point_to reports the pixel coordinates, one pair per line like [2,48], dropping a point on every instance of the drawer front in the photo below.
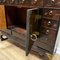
[11,1]
[31,3]
[28,3]
[48,37]
[44,46]
[52,3]
[49,23]
[36,3]
[52,14]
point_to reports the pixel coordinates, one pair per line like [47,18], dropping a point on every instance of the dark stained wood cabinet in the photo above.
[43,27]
[33,23]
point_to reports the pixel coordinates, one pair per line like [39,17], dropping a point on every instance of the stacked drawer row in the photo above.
[23,2]
[32,3]
[49,27]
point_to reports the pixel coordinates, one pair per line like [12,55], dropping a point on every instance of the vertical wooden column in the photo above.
[2,17]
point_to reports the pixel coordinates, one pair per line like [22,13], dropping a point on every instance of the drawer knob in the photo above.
[47,31]
[34,1]
[49,23]
[53,2]
[21,1]
[50,13]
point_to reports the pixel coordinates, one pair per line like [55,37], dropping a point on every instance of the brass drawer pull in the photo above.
[33,37]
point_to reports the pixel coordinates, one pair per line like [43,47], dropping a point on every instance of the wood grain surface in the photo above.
[2,17]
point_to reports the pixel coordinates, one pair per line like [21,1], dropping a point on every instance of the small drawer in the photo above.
[43,46]
[24,2]
[36,3]
[45,31]
[48,37]
[52,3]
[12,1]
[50,23]
[52,14]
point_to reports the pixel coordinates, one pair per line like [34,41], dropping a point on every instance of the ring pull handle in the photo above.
[33,37]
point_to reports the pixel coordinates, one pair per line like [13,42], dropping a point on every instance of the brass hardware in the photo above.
[34,1]
[50,13]
[12,1]
[33,37]
[47,31]
[21,1]
[49,23]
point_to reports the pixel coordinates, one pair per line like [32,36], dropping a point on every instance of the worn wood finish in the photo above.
[25,3]
[15,18]
[2,17]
